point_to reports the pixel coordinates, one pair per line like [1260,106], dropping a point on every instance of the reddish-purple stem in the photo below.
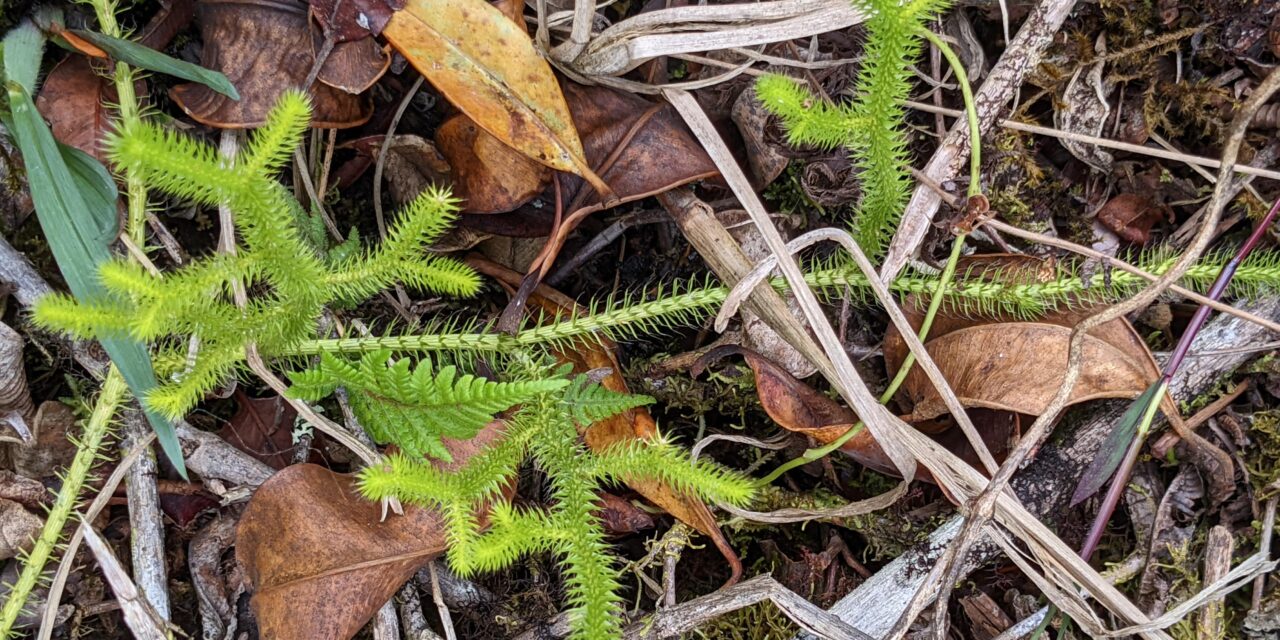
[1121,478]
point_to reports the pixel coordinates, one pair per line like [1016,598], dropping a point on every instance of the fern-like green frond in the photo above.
[546,428]
[590,402]
[414,407]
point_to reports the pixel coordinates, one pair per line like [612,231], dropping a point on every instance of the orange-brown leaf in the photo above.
[320,557]
[488,68]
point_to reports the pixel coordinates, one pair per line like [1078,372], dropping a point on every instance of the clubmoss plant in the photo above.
[546,429]
[871,126]
[191,311]
[114,391]
[636,316]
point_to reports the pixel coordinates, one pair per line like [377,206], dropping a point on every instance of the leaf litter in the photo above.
[554,146]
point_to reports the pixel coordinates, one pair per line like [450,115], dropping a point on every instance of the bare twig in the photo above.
[1022,55]
[146,529]
[141,618]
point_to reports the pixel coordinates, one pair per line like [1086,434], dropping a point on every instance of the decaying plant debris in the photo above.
[935,319]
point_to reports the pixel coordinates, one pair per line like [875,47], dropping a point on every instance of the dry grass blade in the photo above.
[981,510]
[139,616]
[665,32]
[900,440]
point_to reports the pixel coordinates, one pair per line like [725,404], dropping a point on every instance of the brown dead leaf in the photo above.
[619,516]
[799,408]
[639,147]
[412,164]
[1131,216]
[489,176]
[51,450]
[320,557]
[766,160]
[262,428]
[486,65]
[265,47]
[996,362]
[18,528]
[629,425]
[74,100]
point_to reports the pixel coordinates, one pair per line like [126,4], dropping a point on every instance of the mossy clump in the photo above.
[1260,459]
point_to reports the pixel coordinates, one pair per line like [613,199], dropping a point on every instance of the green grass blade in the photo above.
[142,56]
[96,188]
[24,46]
[74,222]
[1113,449]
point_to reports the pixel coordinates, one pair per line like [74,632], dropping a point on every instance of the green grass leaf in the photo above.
[76,215]
[145,57]
[1117,442]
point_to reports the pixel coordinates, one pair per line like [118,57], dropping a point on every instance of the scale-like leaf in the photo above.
[142,56]
[487,66]
[1113,449]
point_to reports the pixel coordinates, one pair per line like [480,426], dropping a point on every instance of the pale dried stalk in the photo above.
[1022,55]
[1187,158]
[766,266]
[981,510]
[139,615]
[664,32]
[902,443]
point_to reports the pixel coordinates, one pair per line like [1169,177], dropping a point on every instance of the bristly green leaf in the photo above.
[24,47]
[872,125]
[142,56]
[1114,447]
[415,406]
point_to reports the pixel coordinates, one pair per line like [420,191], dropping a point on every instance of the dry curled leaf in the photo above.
[320,557]
[236,35]
[18,528]
[997,362]
[488,68]
[799,408]
[640,148]
[262,428]
[412,164]
[1131,216]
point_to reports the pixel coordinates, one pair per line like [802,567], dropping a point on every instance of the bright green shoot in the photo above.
[546,429]
[190,314]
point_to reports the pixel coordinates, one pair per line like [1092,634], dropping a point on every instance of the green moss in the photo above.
[762,621]
[1260,459]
